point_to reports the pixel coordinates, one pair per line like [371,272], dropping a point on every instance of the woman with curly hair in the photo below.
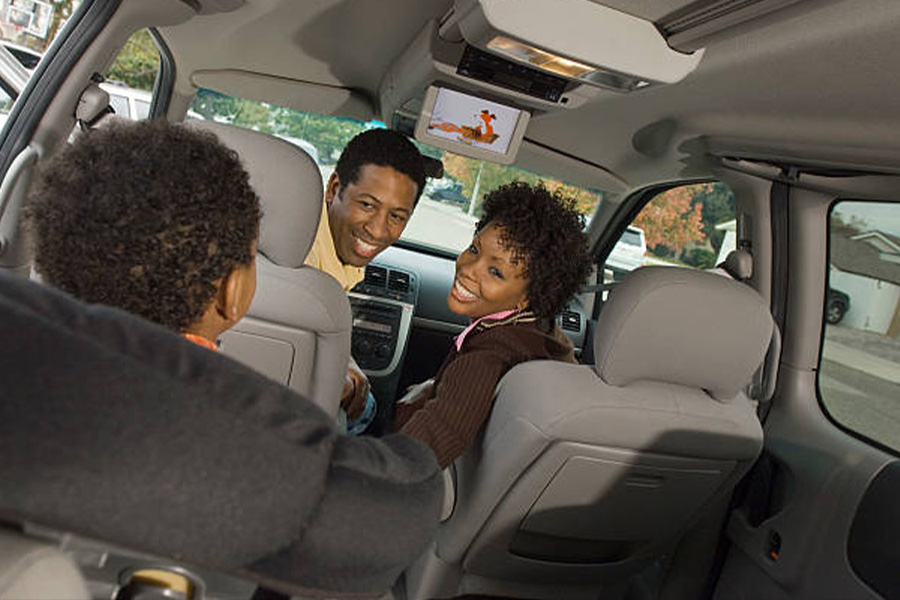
[153,218]
[527,259]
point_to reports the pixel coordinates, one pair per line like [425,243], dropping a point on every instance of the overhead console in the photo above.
[537,55]
[471,126]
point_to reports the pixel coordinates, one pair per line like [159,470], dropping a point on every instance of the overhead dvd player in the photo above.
[471,126]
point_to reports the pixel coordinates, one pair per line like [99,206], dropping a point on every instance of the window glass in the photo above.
[446,214]
[133,75]
[141,109]
[6,103]
[687,226]
[120,105]
[859,378]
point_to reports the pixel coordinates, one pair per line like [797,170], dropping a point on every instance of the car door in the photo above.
[819,517]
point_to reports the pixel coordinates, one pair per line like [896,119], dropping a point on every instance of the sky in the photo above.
[884,216]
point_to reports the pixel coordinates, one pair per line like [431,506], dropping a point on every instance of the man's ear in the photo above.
[333,187]
[232,300]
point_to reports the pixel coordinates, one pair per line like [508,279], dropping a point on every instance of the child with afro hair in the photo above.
[153,218]
[527,259]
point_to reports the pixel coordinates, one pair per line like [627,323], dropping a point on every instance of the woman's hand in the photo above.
[417,391]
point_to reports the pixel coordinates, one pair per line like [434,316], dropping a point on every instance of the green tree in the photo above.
[328,134]
[493,175]
[138,63]
[62,10]
[717,202]
[244,113]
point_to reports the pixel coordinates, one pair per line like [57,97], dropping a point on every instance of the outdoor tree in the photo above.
[717,201]
[670,221]
[138,62]
[465,170]
[62,10]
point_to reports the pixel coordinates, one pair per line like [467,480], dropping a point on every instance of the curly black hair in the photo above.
[383,148]
[146,217]
[543,229]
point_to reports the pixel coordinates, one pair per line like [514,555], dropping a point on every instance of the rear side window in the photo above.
[689,226]
[859,376]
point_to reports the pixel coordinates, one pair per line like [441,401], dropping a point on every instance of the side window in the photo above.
[6,104]
[686,226]
[130,79]
[859,378]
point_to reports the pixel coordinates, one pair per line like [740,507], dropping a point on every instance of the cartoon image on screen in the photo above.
[473,121]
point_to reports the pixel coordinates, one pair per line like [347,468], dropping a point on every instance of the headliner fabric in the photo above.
[114,428]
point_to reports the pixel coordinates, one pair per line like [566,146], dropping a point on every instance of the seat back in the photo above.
[36,570]
[585,473]
[297,330]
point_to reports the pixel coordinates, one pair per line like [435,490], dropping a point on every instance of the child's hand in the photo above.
[417,391]
[353,396]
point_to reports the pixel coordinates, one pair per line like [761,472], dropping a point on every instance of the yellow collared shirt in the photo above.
[323,256]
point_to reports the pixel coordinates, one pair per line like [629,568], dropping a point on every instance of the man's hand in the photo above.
[356,389]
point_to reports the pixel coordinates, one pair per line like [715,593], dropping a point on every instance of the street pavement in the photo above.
[860,389]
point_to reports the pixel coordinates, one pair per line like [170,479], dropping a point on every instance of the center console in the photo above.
[383,305]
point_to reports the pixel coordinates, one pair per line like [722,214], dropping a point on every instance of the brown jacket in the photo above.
[459,404]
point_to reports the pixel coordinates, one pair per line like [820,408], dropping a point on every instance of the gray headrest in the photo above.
[739,264]
[682,326]
[289,186]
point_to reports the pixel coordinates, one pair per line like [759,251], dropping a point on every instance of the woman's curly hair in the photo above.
[543,229]
[146,217]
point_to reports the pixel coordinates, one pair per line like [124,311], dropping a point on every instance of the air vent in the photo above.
[570,320]
[375,276]
[398,281]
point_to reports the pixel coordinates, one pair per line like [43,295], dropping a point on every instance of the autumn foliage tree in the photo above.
[671,220]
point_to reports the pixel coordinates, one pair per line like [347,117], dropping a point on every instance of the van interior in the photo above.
[731,430]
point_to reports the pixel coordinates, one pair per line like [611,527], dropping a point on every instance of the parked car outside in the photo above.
[629,252]
[837,305]
[451,192]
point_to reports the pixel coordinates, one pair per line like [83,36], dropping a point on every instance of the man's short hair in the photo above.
[146,217]
[383,148]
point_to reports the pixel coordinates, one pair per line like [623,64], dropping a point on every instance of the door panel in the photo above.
[823,487]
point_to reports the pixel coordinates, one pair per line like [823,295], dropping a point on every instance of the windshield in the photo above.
[446,214]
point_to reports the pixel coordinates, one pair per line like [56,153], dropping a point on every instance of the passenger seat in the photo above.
[585,474]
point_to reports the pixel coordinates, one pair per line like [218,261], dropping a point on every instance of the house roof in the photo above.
[873,254]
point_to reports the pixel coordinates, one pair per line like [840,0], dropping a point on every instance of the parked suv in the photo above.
[629,252]
[838,305]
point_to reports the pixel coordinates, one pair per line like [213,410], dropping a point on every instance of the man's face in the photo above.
[369,215]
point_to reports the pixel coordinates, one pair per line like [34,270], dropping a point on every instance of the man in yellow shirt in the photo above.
[368,201]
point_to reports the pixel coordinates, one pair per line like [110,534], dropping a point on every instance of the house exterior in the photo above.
[866,267]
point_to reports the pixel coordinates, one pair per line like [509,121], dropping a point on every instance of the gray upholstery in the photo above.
[37,571]
[739,264]
[297,330]
[644,327]
[583,475]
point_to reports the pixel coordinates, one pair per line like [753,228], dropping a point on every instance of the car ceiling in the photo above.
[813,78]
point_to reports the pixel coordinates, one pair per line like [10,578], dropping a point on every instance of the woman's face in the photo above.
[487,280]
